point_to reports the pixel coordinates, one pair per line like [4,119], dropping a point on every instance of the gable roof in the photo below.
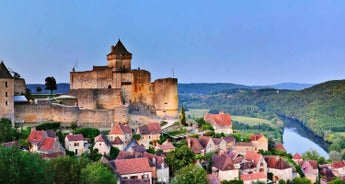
[101,138]
[166,146]
[119,128]
[195,145]
[151,128]
[47,144]
[297,156]
[254,176]
[4,73]
[75,137]
[222,162]
[132,166]
[204,140]
[119,49]
[229,138]
[125,155]
[217,141]
[220,119]
[256,137]
[117,141]
[276,162]
[279,147]
[336,165]
[36,136]
[252,156]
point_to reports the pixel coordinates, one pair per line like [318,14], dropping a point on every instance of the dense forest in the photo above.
[321,107]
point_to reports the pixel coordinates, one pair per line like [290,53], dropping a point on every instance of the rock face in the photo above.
[108,94]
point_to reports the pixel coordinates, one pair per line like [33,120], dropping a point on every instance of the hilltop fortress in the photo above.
[100,97]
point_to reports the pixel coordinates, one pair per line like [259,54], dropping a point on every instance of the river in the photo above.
[297,138]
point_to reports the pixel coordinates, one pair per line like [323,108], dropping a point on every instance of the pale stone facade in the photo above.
[6,93]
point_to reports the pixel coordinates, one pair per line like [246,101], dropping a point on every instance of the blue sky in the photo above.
[245,42]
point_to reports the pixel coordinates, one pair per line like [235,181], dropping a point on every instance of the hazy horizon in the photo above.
[241,42]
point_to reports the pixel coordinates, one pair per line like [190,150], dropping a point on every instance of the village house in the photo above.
[120,135]
[46,143]
[253,163]
[297,158]
[102,144]
[338,168]
[159,168]
[220,144]
[76,144]
[310,169]
[150,133]
[279,168]
[194,144]
[207,143]
[220,122]
[259,142]
[166,147]
[224,168]
[326,173]
[243,147]
[135,170]
[230,141]
[254,178]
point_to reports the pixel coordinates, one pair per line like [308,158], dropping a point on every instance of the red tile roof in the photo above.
[297,156]
[125,155]
[254,176]
[243,144]
[117,141]
[204,140]
[195,145]
[252,156]
[36,136]
[222,162]
[337,165]
[47,144]
[276,162]
[217,141]
[119,128]
[154,128]
[229,138]
[75,137]
[256,137]
[132,166]
[220,119]
[279,147]
[166,146]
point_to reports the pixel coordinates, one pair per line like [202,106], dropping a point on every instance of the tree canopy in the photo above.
[50,84]
[190,174]
[179,158]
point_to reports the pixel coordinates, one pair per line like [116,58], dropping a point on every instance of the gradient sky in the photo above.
[246,41]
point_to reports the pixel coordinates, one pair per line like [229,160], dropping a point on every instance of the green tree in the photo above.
[337,180]
[67,169]
[97,172]
[7,133]
[17,166]
[50,84]
[179,158]
[299,180]
[114,151]
[183,117]
[90,133]
[38,89]
[335,156]
[314,155]
[190,174]
[232,182]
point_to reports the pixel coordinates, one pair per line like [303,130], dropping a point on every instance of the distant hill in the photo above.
[321,107]
[208,88]
[62,88]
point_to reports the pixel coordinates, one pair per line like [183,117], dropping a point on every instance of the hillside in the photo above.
[320,108]
[62,88]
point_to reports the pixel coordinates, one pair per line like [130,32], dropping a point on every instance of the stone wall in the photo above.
[100,118]
[166,97]
[142,87]
[19,86]
[6,98]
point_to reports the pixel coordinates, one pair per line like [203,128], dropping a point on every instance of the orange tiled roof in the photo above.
[121,129]
[276,162]
[254,176]
[154,127]
[229,138]
[297,156]
[220,119]
[279,147]
[36,136]
[132,166]
[195,145]
[47,144]
[204,140]
[252,156]
[256,137]
[166,146]
[222,162]
[337,165]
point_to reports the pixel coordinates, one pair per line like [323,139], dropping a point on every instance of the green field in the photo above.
[197,113]
[250,121]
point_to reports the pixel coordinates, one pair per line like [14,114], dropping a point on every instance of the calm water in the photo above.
[298,139]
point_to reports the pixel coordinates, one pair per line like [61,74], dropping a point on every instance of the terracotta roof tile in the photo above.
[117,141]
[222,162]
[47,144]
[151,128]
[279,147]
[166,146]
[125,155]
[75,137]
[337,165]
[121,129]
[132,166]
[252,156]
[217,141]
[195,145]
[37,136]
[254,176]
[101,138]
[229,138]
[276,162]
[204,140]
[297,156]
[256,137]
[219,119]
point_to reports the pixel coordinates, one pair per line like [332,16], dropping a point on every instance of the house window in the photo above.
[76,144]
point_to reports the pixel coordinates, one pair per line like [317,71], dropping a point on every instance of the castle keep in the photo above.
[103,96]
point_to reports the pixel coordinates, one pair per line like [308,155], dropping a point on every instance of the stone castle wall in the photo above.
[6,98]
[141,88]
[165,97]
[19,86]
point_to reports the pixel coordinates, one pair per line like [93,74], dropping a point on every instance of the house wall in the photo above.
[228,175]
[285,174]
[142,175]
[163,175]
[74,145]
[102,148]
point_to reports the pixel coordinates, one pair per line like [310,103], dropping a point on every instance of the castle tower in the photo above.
[119,58]
[6,93]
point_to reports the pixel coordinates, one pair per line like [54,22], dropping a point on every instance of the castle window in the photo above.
[109,87]
[6,94]
[6,84]
[6,103]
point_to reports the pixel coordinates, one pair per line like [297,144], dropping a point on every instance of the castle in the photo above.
[103,96]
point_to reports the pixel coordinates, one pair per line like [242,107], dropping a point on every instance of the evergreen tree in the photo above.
[51,84]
